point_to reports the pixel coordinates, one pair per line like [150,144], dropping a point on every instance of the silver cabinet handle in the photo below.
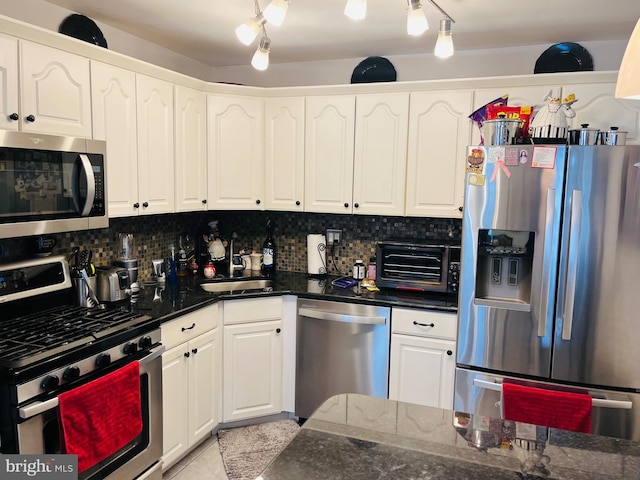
[336,317]
[596,402]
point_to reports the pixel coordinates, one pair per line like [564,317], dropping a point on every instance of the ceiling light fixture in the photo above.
[416,19]
[356,9]
[276,11]
[260,60]
[248,31]
[444,44]
[628,85]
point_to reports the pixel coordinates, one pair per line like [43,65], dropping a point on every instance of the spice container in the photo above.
[371,271]
[358,270]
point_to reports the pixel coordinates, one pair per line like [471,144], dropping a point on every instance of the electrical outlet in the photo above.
[334,236]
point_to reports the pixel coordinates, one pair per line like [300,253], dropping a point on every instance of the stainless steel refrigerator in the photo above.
[550,278]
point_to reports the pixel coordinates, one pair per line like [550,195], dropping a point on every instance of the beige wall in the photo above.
[607,56]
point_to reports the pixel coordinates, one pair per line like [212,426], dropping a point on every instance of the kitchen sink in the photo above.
[233,285]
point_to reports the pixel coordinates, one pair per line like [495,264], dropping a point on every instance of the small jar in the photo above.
[209,270]
[358,270]
[371,271]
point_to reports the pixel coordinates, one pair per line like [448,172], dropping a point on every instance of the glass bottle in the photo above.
[268,252]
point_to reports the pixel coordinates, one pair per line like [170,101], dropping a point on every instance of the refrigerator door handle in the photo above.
[596,402]
[547,265]
[572,267]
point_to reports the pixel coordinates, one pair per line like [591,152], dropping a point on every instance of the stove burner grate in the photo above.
[58,329]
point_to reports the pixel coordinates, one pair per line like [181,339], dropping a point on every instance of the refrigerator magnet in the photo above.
[475,160]
[511,157]
[544,157]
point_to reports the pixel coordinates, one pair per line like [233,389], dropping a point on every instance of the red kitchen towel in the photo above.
[551,408]
[102,416]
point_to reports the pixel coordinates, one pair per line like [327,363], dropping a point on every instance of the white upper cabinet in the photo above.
[597,107]
[380,158]
[9,115]
[55,91]
[235,146]
[155,145]
[114,121]
[191,149]
[329,142]
[439,132]
[284,153]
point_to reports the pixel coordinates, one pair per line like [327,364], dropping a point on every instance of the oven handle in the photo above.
[36,408]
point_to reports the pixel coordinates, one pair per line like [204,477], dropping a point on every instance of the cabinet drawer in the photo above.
[189,326]
[424,323]
[252,310]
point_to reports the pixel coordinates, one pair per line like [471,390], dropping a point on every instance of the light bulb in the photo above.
[260,60]
[444,45]
[416,20]
[356,9]
[276,11]
[248,31]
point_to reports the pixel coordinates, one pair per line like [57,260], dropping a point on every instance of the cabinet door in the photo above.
[9,83]
[56,90]
[380,159]
[252,370]
[422,371]
[155,145]
[235,145]
[204,388]
[439,132]
[191,149]
[114,121]
[328,170]
[175,403]
[598,107]
[284,154]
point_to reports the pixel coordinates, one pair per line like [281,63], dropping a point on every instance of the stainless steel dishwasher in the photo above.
[341,348]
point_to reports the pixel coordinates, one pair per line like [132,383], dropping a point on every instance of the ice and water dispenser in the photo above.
[503,271]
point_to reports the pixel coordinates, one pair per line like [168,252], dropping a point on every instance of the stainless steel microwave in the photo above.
[418,267]
[51,184]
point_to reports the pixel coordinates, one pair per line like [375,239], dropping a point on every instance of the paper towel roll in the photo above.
[316,254]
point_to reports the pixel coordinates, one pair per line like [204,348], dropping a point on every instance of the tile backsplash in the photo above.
[154,233]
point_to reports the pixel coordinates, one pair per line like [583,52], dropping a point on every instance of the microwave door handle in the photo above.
[572,264]
[83,163]
[547,265]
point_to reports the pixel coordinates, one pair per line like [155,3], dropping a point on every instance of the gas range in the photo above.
[40,345]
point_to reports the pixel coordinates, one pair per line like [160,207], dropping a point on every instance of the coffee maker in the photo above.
[126,253]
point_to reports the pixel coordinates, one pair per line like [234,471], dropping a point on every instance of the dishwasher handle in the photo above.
[337,317]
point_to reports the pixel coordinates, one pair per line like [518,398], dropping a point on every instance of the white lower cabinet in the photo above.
[253,349]
[422,362]
[191,381]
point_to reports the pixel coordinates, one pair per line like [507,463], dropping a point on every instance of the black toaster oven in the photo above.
[418,267]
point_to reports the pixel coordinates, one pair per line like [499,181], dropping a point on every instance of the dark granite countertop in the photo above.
[360,437]
[169,300]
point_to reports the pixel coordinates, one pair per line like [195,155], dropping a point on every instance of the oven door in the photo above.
[40,432]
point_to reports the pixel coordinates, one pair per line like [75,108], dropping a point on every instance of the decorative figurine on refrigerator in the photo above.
[552,120]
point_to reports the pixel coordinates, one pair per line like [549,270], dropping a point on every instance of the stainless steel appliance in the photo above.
[418,267]
[51,184]
[340,348]
[45,352]
[550,277]
[113,284]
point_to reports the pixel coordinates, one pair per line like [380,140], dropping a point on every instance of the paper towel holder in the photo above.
[316,255]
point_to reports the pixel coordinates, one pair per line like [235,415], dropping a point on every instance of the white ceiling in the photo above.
[318,30]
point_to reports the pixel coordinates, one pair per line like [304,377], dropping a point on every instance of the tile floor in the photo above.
[203,463]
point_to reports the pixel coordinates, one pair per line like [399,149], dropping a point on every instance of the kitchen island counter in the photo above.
[355,436]
[169,300]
